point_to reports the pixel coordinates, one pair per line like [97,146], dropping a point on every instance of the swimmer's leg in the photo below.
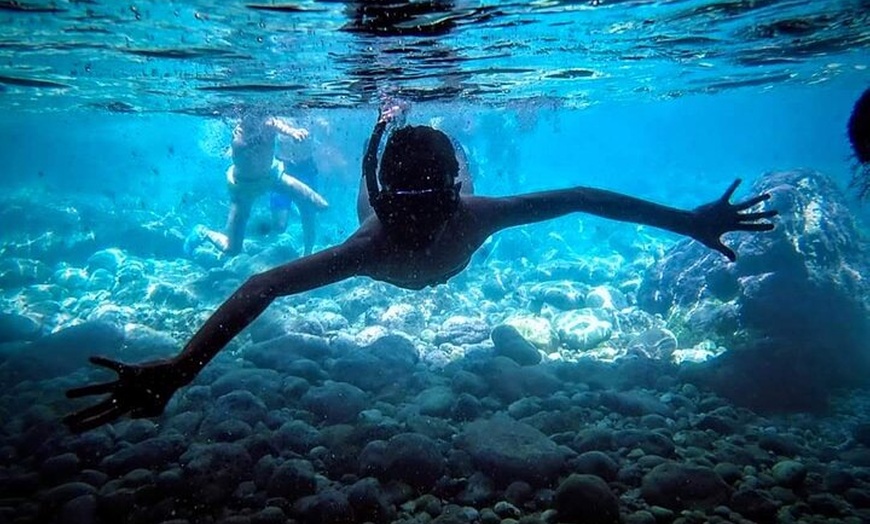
[300,192]
[307,216]
[231,242]
[280,218]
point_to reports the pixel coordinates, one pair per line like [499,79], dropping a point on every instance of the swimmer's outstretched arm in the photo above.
[142,390]
[705,223]
[279,125]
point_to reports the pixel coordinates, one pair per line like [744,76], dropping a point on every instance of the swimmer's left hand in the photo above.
[142,390]
[298,133]
[711,221]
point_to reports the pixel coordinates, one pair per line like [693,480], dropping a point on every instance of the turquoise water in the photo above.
[644,362]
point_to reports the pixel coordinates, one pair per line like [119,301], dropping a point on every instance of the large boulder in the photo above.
[791,310]
[508,450]
[680,486]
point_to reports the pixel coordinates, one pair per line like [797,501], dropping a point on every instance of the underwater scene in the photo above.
[434,261]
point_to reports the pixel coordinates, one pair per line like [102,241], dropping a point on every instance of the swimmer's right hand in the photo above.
[394,111]
[142,390]
[298,133]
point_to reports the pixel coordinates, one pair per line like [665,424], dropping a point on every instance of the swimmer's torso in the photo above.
[253,154]
[448,254]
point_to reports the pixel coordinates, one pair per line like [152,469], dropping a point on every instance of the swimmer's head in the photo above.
[253,118]
[294,150]
[859,136]
[418,192]
[418,158]
[859,128]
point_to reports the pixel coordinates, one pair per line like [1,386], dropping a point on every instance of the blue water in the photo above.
[659,365]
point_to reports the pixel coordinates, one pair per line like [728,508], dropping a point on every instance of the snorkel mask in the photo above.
[411,216]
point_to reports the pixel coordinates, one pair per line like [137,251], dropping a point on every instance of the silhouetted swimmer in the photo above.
[859,136]
[424,231]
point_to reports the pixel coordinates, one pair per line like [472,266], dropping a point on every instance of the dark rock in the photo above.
[508,450]
[22,272]
[269,515]
[595,463]
[624,374]
[240,404]
[378,365]
[460,331]
[466,408]
[265,384]
[859,457]
[62,352]
[153,453]
[861,434]
[335,402]
[213,471]
[136,430]
[115,505]
[600,439]
[408,457]
[327,507]
[65,492]
[651,442]
[792,310]
[80,510]
[683,486]
[59,468]
[452,514]
[91,447]
[295,436]
[783,445]
[280,353]
[435,401]
[655,343]
[721,425]
[754,505]
[561,294]
[509,343]
[17,328]
[369,502]
[359,300]
[229,430]
[729,472]
[509,381]
[479,490]
[587,499]
[789,473]
[827,504]
[641,517]
[859,498]
[518,493]
[170,480]
[292,479]
[838,480]
[184,423]
[307,369]
[634,404]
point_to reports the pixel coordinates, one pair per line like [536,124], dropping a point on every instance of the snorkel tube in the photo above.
[370,163]
[392,113]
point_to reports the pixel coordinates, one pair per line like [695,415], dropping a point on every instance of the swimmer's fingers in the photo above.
[105,387]
[758,226]
[752,201]
[94,416]
[114,365]
[730,191]
[751,217]
[725,250]
[95,389]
